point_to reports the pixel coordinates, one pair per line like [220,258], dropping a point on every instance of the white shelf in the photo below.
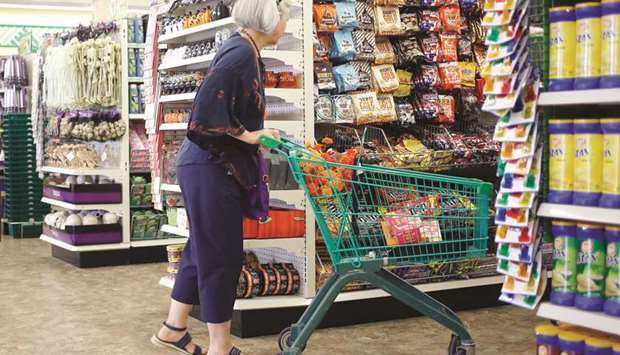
[137,116]
[76,171]
[175,230]
[580,213]
[298,301]
[197,33]
[135,79]
[592,320]
[296,197]
[580,97]
[170,188]
[274,57]
[114,207]
[83,248]
[188,97]
[294,96]
[173,126]
[193,63]
[157,242]
[135,45]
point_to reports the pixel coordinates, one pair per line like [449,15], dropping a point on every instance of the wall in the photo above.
[44,17]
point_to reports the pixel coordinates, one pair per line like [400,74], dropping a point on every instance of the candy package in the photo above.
[516,133]
[384,53]
[346,15]
[468,74]
[324,76]
[506,33]
[503,50]
[325,17]
[427,77]
[525,109]
[520,271]
[517,235]
[386,111]
[404,80]
[426,107]
[342,46]
[515,199]
[446,109]
[411,24]
[465,49]
[404,111]
[448,51]
[508,84]
[450,75]
[468,102]
[516,217]
[517,150]
[499,104]
[365,105]
[390,2]
[408,51]
[528,302]
[365,45]
[500,18]
[320,52]
[365,75]
[343,109]
[529,287]
[513,183]
[480,52]
[521,166]
[430,47]
[385,78]
[522,253]
[365,15]
[346,77]
[500,5]
[450,18]
[324,109]
[387,21]
[430,21]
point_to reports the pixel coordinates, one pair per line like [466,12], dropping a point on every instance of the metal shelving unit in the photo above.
[591,320]
[580,213]
[580,97]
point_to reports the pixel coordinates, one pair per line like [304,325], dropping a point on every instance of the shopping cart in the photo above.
[371,217]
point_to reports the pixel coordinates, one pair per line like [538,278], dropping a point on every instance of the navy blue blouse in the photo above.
[230,100]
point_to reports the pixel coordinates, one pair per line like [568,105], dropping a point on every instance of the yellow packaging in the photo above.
[610,43]
[588,172]
[588,44]
[611,158]
[562,47]
[561,157]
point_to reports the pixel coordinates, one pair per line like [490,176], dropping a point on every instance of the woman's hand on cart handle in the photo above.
[255,136]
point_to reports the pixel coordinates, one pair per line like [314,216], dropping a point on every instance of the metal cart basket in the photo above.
[371,217]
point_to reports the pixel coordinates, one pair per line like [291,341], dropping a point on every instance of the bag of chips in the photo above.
[426,77]
[404,80]
[387,21]
[320,51]
[343,109]
[346,15]
[408,51]
[325,17]
[450,18]
[342,46]
[347,78]
[450,75]
[411,24]
[426,106]
[365,45]
[365,105]
[446,109]
[465,51]
[365,74]
[448,48]
[385,78]
[386,111]
[468,74]
[324,109]
[365,15]
[404,111]
[430,47]
[430,21]
[384,53]
[324,76]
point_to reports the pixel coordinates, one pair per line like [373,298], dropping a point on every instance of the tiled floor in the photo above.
[52,308]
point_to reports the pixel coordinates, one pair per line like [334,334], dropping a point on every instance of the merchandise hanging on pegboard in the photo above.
[511,89]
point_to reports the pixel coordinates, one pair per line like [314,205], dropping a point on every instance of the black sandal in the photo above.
[177,345]
[234,351]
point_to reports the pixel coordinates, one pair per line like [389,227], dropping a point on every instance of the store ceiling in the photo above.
[134,4]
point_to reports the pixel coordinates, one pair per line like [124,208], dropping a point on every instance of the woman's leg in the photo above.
[220,341]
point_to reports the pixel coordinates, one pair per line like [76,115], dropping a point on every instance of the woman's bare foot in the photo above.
[170,335]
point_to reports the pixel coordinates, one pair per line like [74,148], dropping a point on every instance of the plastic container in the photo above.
[588,46]
[610,44]
[615,347]
[590,267]
[564,280]
[547,342]
[283,223]
[597,346]
[562,48]
[610,190]
[571,343]
[588,164]
[561,161]
[612,280]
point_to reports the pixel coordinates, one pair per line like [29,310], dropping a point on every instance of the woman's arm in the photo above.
[252,137]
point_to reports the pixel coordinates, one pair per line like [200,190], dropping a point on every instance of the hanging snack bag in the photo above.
[390,2]
[430,21]
[404,80]
[384,53]
[520,271]
[365,45]
[387,21]
[324,76]
[343,109]
[404,111]
[365,75]
[386,111]
[320,50]
[408,51]
[500,18]
[411,24]
[347,78]
[450,75]
[450,18]
[465,49]
[430,47]
[324,109]
[517,133]
[342,46]
[468,74]
[503,50]
[517,235]
[346,15]
[365,105]
[427,77]
[515,199]
[529,287]
[500,5]
[446,109]
[385,78]
[523,253]
[528,302]
[365,15]
[514,150]
[448,48]
[325,17]
[427,107]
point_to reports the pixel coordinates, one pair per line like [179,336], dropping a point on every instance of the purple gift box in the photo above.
[85,193]
[86,235]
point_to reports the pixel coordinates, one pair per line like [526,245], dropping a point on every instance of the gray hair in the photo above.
[260,15]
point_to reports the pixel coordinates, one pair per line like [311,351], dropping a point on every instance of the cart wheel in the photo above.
[455,346]
[285,341]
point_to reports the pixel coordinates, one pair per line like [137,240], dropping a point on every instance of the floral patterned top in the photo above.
[230,100]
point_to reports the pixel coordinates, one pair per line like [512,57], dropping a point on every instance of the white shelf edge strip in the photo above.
[183,63]
[74,207]
[170,188]
[178,36]
[173,126]
[76,171]
[592,320]
[580,213]
[579,97]
[157,242]
[289,95]
[96,247]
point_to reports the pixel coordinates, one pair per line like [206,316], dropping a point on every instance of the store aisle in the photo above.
[49,307]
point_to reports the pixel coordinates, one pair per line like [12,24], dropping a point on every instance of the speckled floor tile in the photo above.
[52,308]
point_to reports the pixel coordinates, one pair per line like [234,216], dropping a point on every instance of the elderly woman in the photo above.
[216,166]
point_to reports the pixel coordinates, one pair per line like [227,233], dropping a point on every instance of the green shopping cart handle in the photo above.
[269,142]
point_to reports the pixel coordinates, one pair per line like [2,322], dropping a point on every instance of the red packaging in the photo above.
[283,223]
[450,75]
[446,109]
[450,18]
[448,47]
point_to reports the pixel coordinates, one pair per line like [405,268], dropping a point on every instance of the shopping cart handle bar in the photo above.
[269,142]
